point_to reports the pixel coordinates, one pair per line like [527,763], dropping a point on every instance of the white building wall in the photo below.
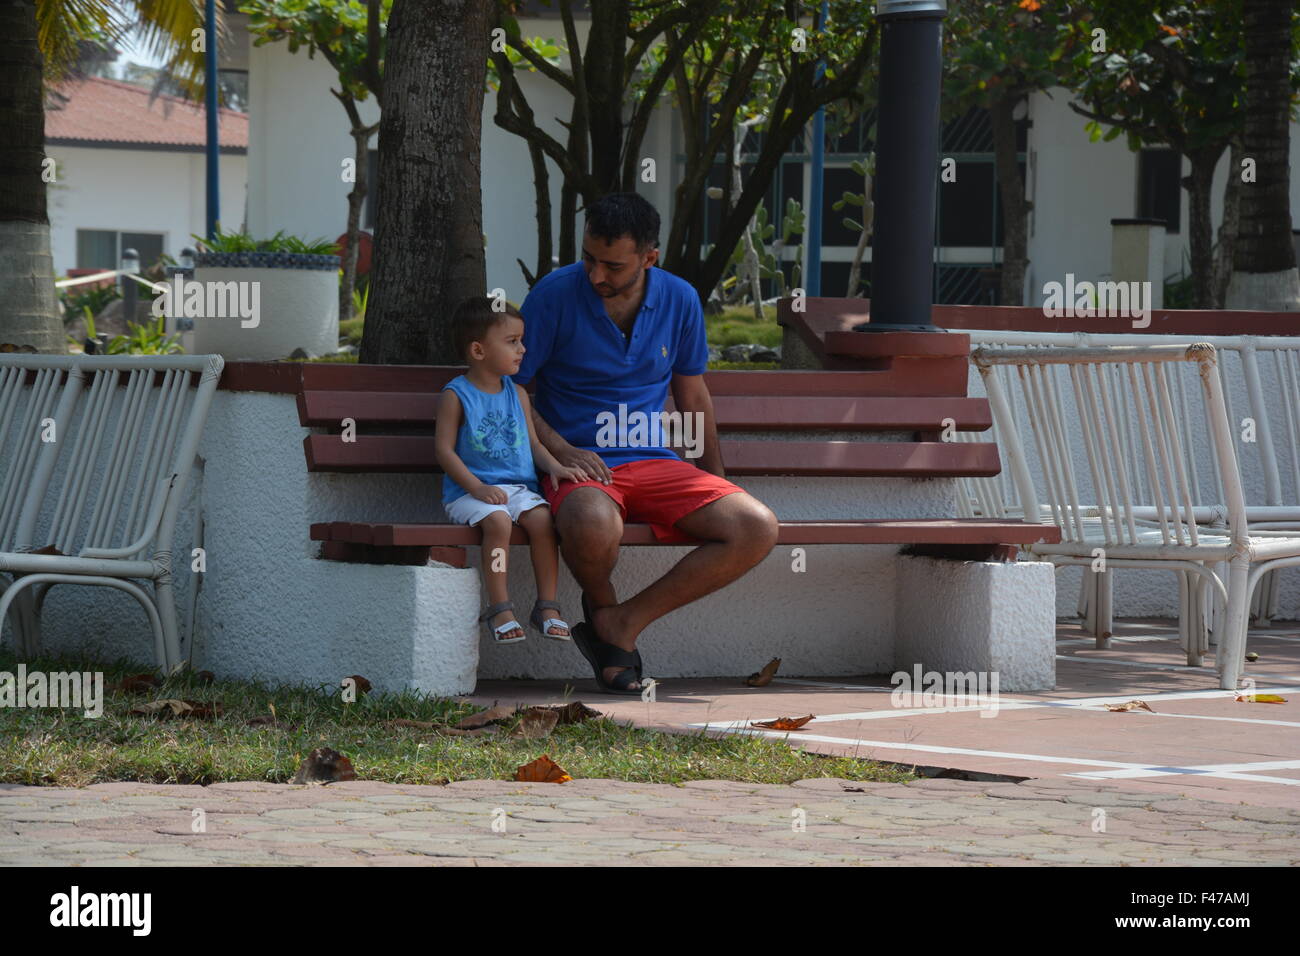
[136,190]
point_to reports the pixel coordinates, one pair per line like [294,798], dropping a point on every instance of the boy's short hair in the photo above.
[616,215]
[472,319]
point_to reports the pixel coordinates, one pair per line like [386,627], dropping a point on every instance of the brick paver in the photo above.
[820,821]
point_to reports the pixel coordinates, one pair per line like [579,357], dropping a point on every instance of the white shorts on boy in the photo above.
[469,510]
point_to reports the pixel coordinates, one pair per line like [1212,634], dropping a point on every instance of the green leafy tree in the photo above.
[1264,274]
[1170,74]
[998,53]
[337,29]
[41,40]
[743,64]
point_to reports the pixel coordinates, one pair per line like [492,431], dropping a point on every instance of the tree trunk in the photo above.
[1015,208]
[29,313]
[1224,252]
[603,71]
[1264,274]
[568,212]
[361,138]
[542,190]
[1199,227]
[429,232]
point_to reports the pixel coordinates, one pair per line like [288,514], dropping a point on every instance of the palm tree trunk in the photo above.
[28,305]
[429,233]
[1264,273]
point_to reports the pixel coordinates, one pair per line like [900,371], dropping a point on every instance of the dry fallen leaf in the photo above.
[205,677]
[484,717]
[764,677]
[536,722]
[324,765]
[362,685]
[1130,705]
[574,713]
[542,770]
[1260,699]
[477,732]
[178,708]
[48,549]
[783,723]
[139,683]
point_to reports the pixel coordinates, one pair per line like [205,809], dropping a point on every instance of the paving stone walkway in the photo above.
[493,822]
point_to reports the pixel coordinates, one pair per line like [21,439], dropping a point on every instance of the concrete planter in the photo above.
[297,305]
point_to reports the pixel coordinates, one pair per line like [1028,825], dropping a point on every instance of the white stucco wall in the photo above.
[137,190]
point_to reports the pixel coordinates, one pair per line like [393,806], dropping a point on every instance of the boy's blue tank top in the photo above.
[493,438]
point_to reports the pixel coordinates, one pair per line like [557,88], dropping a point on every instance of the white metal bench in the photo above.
[98,452]
[1122,406]
[1274,405]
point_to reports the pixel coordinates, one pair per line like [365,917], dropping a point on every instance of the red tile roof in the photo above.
[95,110]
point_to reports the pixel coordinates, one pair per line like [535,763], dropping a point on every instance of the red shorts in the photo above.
[655,491]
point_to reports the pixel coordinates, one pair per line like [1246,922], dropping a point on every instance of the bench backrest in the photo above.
[103,449]
[1121,406]
[772,423]
[1267,367]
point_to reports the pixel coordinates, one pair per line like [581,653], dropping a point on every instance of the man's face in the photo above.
[614,267]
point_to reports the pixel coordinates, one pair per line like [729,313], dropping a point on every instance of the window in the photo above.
[1159,186]
[102,248]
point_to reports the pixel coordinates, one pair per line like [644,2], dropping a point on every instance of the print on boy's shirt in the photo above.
[498,436]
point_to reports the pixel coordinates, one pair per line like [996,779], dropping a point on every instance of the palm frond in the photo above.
[60,24]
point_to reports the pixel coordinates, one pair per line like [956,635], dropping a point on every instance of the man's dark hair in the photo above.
[472,319]
[617,215]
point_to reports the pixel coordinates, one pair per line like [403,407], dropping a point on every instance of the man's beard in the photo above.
[607,291]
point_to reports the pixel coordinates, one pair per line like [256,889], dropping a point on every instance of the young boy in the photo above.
[489,454]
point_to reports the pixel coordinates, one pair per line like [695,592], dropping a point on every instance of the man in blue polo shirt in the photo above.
[607,338]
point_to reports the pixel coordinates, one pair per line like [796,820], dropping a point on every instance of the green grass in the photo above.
[350,331]
[737,326]
[62,748]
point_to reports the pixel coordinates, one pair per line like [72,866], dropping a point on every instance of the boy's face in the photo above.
[502,349]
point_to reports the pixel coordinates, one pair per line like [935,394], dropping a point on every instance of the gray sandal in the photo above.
[543,626]
[506,628]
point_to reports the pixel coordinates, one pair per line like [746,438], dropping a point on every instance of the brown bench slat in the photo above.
[327,409]
[415,453]
[921,531]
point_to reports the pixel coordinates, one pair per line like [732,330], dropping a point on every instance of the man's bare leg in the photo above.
[590,529]
[740,529]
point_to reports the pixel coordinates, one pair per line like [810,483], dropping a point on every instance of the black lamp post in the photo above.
[907,153]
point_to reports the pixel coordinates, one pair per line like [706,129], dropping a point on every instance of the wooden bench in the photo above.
[392,411]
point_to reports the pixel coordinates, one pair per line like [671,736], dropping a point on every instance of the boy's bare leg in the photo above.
[545,553]
[496,529]
[740,529]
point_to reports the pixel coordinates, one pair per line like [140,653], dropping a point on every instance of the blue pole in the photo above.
[211,82]
[812,279]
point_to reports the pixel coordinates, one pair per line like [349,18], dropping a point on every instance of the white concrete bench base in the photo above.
[978,616]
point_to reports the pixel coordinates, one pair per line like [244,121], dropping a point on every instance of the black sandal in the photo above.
[601,655]
[586,614]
